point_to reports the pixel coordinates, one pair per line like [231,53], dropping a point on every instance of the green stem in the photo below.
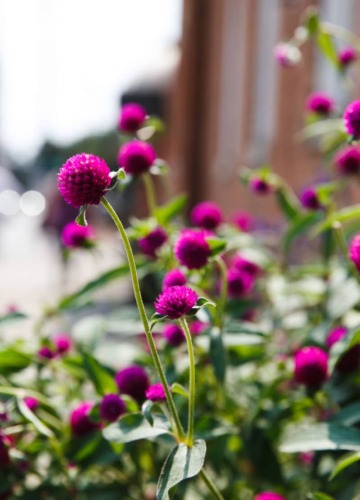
[150,193]
[209,483]
[143,316]
[190,433]
[223,293]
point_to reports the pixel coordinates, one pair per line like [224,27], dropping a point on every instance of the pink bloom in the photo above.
[31,403]
[243,221]
[320,103]
[83,180]
[311,366]
[192,250]
[150,244]
[197,327]
[174,335]
[111,407]
[269,495]
[260,186]
[347,160]
[306,457]
[354,251]
[136,157]
[132,117]
[134,381]
[309,199]
[62,343]
[245,265]
[287,55]
[207,215]
[175,277]
[156,392]
[80,421]
[352,119]
[240,283]
[350,360]
[46,353]
[75,236]
[176,301]
[347,56]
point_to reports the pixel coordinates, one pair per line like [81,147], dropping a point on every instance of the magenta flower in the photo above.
[269,495]
[336,335]
[352,119]
[156,393]
[133,381]
[83,180]
[260,186]
[319,103]
[31,403]
[354,251]
[207,215]
[4,453]
[309,199]
[173,335]
[46,353]
[243,221]
[62,343]
[347,160]
[150,244]
[175,277]
[111,407]
[132,117]
[197,327]
[80,421]
[350,360]
[287,55]
[192,250]
[75,236]
[240,283]
[311,366]
[136,157]
[176,301]
[347,56]
[245,265]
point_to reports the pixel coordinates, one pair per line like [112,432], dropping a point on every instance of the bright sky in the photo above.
[64,63]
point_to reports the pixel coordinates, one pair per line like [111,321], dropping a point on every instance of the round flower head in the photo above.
[347,160]
[46,353]
[352,119]
[207,215]
[197,327]
[240,283]
[176,301]
[309,199]
[156,392]
[319,103]
[192,250]
[152,241]
[347,56]
[80,421]
[260,186]
[75,236]
[133,381]
[174,335]
[287,55]
[350,360]
[245,265]
[31,403]
[269,495]
[132,117]
[243,221]
[175,277]
[111,407]
[62,343]
[311,366]
[354,251]
[136,157]
[83,180]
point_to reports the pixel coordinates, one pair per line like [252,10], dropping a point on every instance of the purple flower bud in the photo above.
[260,186]
[243,221]
[132,117]
[31,403]
[311,366]
[354,251]
[320,103]
[111,407]
[240,283]
[80,421]
[269,495]
[287,55]
[83,180]
[156,392]
[62,343]
[347,56]
[309,199]
[350,360]
[245,265]
[75,236]
[176,301]
[136,157]
[133,381]
[192,250]
[46,353]
[175,277]
[152,241]
[207,215]
[352,119]
[174,335]
[347,160]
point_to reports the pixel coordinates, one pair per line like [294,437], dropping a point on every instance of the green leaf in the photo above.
[345,462]
[182,463]
[100,377]
[218,354]
[176,206]
[132,428]
[235,339]
[13,360]
[299,226]
[324,436]
[320,496]
[312,21]
[31,417]
[156,318]
[179,389]
[344,215]
[348,415]
[81,218]
[288,203]
[217,246]
[21,392]
[322,127]
[13,316]
[326,45]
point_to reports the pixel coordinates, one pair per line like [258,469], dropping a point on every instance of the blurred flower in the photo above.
[354,251]
[150,243]
[31,403]
[197,327]
[111,407]
[269,495]
[175,277]
[287,55]
[4,451]
[46,353]
[347,56]
[75,236]
[352,119]
[245,265]
[311,366]
[133,381]
[83,180]
[176,301]
[260,186]
[62,343]
[350,360]
[136,157]
[347,160]
[80,421]
[307,457]
[240,283]
[320,103]
[132,117]
[243,221]
[309,199]
[192,250]
[207,215]
[156,392]
[173,335]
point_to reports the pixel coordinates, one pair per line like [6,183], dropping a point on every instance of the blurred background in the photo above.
[206,67]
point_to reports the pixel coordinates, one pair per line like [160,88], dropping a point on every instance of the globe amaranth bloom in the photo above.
[287,55]
[111,407]
[62,343]
[269,495]
[132,117]
[347,56]
[176,301]
[133,381]
[207,215]
[350,360]
[192,250]
[31,403]
[320,103]
[150,244]
[173,335]
[83,180]
[197,327]
[354,251]
[46,353]
[347,160]
[352,119]
[80,421]
[240,283]
[136,157]
[243,221]
[175,277]
[259,185]
[310,199]
[245,265]
[4,452]
[75,236]
[156,393]
[311,366]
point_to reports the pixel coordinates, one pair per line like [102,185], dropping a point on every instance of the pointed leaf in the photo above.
[176,206]
[31,417]
[179,389]
[345,462]
[132,428]
[217,246]
[103,382]
[81,218]
[288,203]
